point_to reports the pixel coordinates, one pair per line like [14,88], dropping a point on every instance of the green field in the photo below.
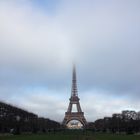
[64,136]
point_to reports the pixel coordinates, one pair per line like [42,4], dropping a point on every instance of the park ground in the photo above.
[71,136]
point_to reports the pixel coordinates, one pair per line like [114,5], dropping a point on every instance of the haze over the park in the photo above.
[40,40]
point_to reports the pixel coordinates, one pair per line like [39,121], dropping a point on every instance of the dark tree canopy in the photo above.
[15,119]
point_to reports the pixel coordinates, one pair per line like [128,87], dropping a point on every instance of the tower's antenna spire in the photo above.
[74,91]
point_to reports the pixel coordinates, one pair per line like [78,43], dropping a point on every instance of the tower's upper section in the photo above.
[74,91]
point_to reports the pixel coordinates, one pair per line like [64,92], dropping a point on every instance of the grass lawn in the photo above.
[72,136]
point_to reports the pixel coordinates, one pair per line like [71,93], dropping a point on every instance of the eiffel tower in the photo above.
[74,100]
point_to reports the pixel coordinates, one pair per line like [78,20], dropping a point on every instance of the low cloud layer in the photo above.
[40,41]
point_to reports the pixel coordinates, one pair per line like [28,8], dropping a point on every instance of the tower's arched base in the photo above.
[79,116]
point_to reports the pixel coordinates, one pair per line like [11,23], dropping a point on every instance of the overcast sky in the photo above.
[40,40]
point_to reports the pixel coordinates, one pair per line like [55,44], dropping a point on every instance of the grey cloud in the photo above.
[37,49]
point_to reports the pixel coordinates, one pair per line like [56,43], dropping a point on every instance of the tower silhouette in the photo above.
[74,100]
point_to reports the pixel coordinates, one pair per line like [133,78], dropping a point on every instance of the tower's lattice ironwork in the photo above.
[74,100]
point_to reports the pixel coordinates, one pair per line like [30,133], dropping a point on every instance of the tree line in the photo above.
[126,122]
[16,120]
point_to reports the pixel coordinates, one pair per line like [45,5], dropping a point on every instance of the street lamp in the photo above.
[18,124]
